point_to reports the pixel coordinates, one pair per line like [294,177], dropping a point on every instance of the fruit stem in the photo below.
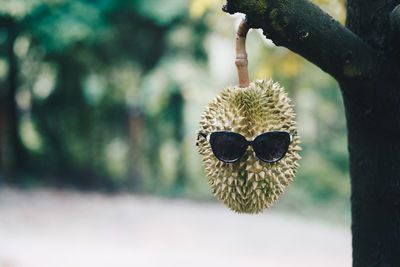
[241,55]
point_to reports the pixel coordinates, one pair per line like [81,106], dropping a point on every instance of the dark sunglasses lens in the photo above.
[272,146]
[228,146]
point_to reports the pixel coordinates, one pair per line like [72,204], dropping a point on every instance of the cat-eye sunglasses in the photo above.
[229,146]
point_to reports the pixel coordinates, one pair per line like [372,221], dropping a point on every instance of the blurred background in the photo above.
[99,105]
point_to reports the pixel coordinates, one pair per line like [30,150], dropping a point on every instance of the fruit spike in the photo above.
[250,111]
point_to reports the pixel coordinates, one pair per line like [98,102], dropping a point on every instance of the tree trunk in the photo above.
[373,122]
[365,62]
[15,150]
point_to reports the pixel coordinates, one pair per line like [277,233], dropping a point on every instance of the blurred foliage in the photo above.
[108,95]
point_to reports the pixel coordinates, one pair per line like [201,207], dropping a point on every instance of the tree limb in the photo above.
[304,28]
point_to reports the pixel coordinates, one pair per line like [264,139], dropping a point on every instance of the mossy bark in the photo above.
[364,59]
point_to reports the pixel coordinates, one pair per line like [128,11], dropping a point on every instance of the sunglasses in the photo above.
[229,146]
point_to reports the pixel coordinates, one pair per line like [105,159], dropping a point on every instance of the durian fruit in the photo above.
[249,185]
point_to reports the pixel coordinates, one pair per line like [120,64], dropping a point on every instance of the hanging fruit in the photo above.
[248,139]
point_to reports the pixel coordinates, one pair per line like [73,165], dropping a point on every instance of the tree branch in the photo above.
[308,31]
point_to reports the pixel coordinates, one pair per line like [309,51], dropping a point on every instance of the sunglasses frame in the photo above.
[249,143]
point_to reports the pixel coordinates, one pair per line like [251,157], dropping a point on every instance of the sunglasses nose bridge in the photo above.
[249,152]
[250,145]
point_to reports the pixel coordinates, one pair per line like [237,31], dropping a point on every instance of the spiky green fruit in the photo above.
[249,185]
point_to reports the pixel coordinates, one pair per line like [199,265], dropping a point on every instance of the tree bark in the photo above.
[364,59]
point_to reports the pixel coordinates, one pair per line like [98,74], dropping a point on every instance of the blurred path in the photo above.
[57,229]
